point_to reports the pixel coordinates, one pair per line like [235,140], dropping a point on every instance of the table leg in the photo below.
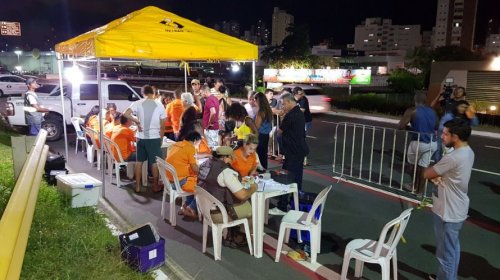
[296,203]
[258,225]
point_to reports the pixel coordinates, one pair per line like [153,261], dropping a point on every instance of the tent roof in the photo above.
[152,33]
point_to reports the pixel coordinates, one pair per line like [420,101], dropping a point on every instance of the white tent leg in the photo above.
[253,75]
[61,91]
[185,78]
[101,127]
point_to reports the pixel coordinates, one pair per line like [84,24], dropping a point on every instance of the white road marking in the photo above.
[312,137]
[329,122]
[492,147]
[485,171]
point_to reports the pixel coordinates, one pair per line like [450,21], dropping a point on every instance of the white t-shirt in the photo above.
[151,114]
[229,178]
[450,200]
[32,99]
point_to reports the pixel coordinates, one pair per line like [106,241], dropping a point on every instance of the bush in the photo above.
[370,102]
[404,81]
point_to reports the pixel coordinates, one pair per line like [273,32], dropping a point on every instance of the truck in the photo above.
[78,101]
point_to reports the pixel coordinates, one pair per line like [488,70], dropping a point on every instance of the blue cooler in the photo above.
[306,200]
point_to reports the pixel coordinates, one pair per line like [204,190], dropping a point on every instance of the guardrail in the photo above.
[16,221]
[379,156]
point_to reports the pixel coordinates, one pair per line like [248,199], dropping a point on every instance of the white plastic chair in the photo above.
[110,146]
[377,251]
[163,168]
[93,134]
[207,202]
[304,221]
[80,136]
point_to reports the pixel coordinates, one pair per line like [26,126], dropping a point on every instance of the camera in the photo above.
[448,90]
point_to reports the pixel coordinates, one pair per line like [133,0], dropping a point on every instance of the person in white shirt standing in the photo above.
[32,108]
[149,116]
[451,177]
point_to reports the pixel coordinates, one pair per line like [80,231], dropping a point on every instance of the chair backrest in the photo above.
[92,134]
[398,226]
[170,169]
[76,121]
[318,201]
[162,169]
[110,146]
[207,202]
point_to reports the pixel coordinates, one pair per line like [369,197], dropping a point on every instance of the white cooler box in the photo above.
[83,189]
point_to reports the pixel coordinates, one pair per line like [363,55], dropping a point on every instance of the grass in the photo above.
[65,243]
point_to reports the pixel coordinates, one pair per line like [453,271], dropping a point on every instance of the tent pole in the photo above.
[185,77]
[253,75]
[61,91]
[101,127]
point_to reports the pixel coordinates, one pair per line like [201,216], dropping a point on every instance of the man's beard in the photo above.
[450,144]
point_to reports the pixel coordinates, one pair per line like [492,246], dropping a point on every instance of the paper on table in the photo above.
[271,185]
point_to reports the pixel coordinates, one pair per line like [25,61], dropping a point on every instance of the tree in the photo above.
[402,80]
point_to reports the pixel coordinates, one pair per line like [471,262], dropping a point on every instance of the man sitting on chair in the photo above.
[219,179]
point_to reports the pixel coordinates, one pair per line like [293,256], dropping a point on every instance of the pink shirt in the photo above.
[211,102]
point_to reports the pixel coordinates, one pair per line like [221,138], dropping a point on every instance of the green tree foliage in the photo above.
[402,80]
[295,51]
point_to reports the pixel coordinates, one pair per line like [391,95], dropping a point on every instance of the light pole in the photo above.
[18,52]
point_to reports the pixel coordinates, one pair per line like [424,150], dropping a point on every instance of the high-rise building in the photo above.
[493,26]
[262,32]
[455,23]
[377,34]
[492,44]
[281,21]
[427,39]
[231,28]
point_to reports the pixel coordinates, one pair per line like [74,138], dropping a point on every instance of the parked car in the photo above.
[12,85]
[50,89]
[78,100]
[318,101]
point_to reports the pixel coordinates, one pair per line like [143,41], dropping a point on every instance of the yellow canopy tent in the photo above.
[152,33]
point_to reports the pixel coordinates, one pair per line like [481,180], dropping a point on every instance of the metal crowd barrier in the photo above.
[16,221]
[378,156]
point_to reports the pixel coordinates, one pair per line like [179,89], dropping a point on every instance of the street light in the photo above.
[495,64]
[18,52]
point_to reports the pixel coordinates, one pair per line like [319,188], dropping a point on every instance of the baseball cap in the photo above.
[224,151]
[29,81]
[195,81]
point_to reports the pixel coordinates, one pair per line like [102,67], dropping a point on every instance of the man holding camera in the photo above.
[448,98]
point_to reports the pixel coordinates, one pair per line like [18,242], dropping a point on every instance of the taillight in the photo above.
[9,108]
[327,99]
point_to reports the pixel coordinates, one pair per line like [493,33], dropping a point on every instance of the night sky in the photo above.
[63,19]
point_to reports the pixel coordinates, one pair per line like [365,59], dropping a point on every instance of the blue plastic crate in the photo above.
[306,201]
[143,258]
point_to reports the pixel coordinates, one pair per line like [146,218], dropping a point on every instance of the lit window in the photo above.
[457,24]
[407,28]
[365,40]
[371,34]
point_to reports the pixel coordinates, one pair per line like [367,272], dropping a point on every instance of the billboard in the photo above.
[10,28]
[319,76]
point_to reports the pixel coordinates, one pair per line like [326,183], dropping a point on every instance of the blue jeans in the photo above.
[447,248]
[190,200]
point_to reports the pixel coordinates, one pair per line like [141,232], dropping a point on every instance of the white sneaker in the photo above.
[276,212]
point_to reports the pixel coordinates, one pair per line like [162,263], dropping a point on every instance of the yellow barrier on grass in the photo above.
[16,221]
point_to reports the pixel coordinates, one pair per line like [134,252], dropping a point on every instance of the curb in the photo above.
[393,121]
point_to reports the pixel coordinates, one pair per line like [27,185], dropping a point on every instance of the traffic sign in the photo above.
[10,28]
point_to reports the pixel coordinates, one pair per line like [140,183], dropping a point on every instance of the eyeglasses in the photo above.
[194,84]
